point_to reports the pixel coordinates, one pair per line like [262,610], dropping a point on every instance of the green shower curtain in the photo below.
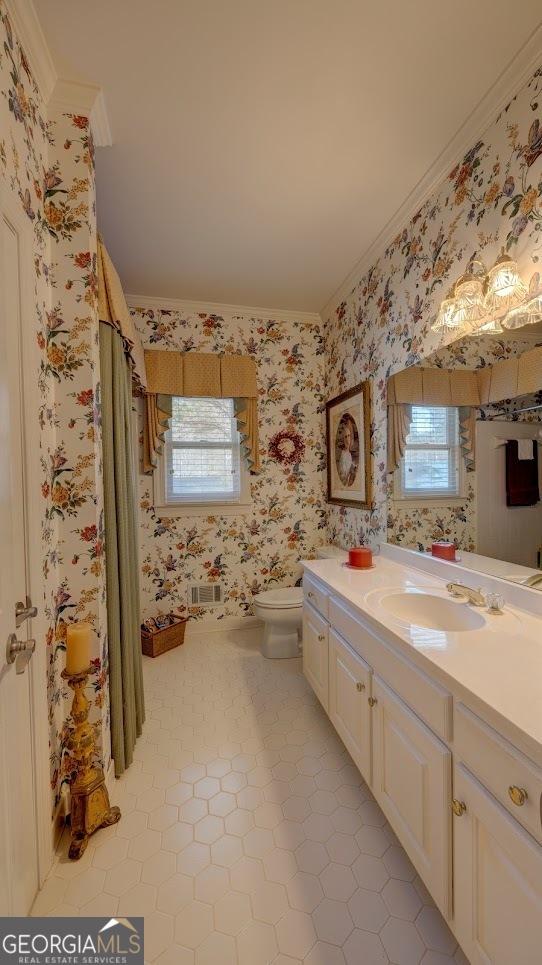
[121,555]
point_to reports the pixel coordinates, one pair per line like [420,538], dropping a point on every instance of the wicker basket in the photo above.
[155,642]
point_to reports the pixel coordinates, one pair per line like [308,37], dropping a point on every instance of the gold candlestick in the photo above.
[90,807]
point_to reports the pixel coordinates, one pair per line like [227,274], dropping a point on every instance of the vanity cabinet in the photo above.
[497,880]
[464,802]
[315,653]
[412,781]
[349,694]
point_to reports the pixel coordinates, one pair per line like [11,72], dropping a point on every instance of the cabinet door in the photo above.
[412,783]
[349,710]
[497,880]
[315,653]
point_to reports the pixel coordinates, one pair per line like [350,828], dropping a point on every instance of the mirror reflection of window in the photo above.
[430,467]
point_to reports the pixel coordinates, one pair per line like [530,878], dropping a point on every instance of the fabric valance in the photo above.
[199,375]
[113,310]
[511,377]
[425,386]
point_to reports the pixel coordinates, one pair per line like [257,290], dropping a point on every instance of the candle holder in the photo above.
[90,807]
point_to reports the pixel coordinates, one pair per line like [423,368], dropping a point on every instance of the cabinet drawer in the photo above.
[316,595]
[431,701]
[505,771]
[315,653]
[349,708]
[412,781]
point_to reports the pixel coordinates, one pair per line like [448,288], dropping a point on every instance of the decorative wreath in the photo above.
[286,447]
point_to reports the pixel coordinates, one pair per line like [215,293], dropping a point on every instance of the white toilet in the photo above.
[281,612]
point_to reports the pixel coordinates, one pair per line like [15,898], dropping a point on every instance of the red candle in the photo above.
[444,550]
[360,556]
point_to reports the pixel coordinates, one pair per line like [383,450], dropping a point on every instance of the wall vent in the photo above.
[205,594]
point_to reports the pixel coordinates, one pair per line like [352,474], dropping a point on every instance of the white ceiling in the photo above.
[261,145]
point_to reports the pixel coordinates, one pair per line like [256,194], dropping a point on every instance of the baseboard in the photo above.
[195,628]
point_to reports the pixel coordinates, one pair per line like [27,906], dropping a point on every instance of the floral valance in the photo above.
[199,375]
[113,310]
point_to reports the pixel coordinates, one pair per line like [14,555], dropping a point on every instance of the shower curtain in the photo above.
[123,619]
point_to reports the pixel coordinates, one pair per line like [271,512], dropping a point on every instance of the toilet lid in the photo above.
[282,598]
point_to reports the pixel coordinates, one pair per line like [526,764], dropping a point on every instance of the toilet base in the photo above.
[280,643]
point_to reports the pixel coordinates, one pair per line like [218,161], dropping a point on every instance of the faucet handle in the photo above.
[456,588]
[495,602]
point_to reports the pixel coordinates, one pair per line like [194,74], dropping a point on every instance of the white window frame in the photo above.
[439,498]
[202,507]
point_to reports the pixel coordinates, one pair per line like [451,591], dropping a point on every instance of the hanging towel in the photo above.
[525,449]
[521,476]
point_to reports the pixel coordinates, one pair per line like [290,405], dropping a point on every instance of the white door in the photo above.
[497,881]
[18,834]
[315,653]
[412,777]
[349,694]
[511,533]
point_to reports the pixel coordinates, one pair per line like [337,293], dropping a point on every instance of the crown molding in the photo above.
[26,25]
[216,308]
[507,85]
[75,97]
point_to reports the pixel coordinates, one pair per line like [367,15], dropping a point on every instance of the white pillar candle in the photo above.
[78,637]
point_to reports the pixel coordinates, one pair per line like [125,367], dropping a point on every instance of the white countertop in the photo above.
[499,665]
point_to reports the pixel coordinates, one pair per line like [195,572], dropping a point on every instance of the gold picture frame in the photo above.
[348,438]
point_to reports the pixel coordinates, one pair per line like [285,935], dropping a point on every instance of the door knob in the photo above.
[458,807]
[24,611]
[360,686]
[20,651]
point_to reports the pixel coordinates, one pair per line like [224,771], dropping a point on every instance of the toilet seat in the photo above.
[283,598]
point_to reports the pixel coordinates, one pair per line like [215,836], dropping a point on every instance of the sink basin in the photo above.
[432,612]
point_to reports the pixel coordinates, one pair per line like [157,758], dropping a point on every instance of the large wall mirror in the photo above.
[465,453]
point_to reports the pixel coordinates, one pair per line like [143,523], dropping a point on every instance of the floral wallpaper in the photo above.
[48,166]
[259,550]
[491,198]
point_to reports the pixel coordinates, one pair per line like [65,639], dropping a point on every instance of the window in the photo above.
[202,463]
[431,465]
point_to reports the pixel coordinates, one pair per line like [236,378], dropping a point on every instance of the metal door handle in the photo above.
[24,612]
[20,651]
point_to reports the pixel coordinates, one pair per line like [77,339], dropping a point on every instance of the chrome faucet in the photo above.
[476,597]
[533,581]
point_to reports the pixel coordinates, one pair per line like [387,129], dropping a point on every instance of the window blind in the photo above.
[430,465]
[202,451]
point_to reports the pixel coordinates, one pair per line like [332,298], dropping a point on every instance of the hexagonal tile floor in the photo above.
[247,834]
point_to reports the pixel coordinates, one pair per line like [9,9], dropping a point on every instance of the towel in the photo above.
[525,449]
[521,475]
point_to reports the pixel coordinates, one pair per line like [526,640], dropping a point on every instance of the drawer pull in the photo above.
[360,686]
[372,701]
[458,807]
[321,637]
[518,795]
[310,595]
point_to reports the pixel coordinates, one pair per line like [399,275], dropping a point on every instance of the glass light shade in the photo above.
[505,288]
[492,327]
[446,319]
[469,298]
[530,311]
